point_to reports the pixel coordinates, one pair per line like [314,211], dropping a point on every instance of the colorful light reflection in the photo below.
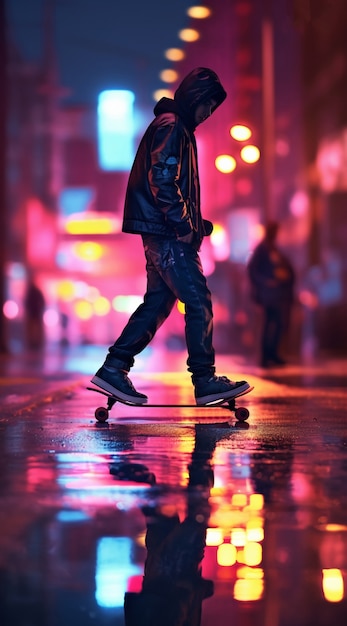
[332,584]
[113,569]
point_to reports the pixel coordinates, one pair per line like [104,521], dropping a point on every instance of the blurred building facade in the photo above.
[284,68]
[324,81]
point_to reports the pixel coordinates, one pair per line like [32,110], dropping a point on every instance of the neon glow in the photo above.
[90,225]
[116,129]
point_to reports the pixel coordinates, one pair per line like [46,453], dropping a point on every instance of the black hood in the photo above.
[199,86]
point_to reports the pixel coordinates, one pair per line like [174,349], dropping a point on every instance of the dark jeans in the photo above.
[174,272]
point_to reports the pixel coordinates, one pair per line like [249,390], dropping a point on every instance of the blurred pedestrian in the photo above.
[163,205]
[272,280]
[34,304]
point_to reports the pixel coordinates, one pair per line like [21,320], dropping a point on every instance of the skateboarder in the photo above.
[162,204]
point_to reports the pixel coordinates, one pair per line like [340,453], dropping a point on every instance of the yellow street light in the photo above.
[168,76]
[250,154]
[225,163]
[199,12]
[189,34]
[240,132]
[174,54]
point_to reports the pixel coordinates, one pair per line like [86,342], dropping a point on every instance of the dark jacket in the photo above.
[271,275]
[163,193]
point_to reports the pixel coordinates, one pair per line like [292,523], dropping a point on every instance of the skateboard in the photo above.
[241,412]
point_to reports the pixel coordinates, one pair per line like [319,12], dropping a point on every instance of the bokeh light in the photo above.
[10,309]
[51,318]
[226,555]
[83,309]
[238,537]
[115,125]
[333,587]
[92,294]
[199,12]
[225,163]
[214,537]
[189,34]
[174,54]
[102,306]
[66,290]
[126,304]
[250,154]
[168,76]
[253,553]
[239,132]
[248,590]
[88,250]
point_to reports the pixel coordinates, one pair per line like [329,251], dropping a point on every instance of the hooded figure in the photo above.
[163,195]
[162,204]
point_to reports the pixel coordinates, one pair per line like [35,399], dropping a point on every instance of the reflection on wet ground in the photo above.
[176,517]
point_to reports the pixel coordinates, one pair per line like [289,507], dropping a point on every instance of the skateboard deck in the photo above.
[102,413]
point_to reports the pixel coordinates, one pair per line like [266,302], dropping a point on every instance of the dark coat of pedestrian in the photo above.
[34,304]
[272,279]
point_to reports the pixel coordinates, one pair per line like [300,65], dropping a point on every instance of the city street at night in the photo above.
[173,194]
[167,514]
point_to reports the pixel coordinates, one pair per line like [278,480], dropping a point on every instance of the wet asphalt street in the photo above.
[166,516]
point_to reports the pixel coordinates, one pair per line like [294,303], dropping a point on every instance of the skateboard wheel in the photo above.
[241,413]
[101,414]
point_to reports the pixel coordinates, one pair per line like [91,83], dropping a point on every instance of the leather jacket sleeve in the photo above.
[168,175]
